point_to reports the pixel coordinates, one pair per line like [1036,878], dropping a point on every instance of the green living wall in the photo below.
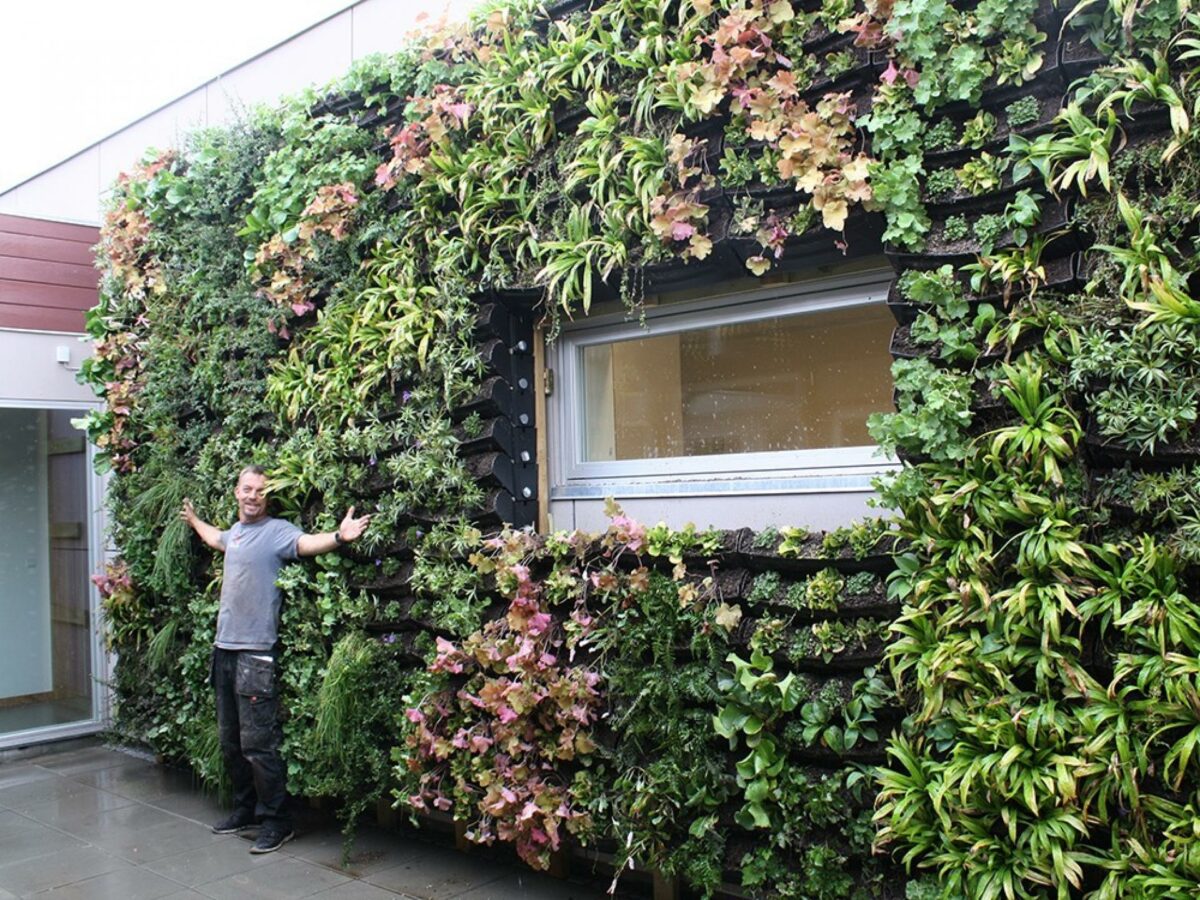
[343,289]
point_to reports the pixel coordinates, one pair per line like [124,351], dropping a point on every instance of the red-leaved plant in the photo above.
[497,741]
[126,246]
[283,260]
[431,120]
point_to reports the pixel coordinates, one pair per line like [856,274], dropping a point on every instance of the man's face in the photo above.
[251,493]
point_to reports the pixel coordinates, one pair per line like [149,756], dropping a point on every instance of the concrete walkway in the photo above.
[95,823]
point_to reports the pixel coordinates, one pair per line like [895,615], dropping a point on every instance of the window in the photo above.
[762,391]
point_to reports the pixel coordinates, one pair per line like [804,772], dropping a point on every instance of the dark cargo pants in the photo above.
[250,733]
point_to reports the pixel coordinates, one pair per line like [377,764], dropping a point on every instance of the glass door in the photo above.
[48,642]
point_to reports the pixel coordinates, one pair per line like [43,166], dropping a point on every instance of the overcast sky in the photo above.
[74,71]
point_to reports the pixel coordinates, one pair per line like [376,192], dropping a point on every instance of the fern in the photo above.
[160,648]
[342,693]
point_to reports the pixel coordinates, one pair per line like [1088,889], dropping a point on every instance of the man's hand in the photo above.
[210,535]
[351,528]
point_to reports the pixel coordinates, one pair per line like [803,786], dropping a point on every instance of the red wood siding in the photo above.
[47,279]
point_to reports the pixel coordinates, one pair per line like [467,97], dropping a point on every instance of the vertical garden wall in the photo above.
[345,288]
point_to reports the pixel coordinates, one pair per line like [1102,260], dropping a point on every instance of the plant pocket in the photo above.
[255,676]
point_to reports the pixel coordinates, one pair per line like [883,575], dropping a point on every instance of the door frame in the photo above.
[98,553]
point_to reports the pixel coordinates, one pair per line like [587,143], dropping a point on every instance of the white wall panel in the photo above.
[66,193]
[314,57]
[162,129]
[817,510]
[380,26]
[29,372]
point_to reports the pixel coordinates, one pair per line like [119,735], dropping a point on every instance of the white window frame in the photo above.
[819,470]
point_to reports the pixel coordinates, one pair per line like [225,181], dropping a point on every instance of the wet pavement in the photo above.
[94,822]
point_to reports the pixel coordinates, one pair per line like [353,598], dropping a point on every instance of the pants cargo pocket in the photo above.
[255,682]
[255,675]
[262,719]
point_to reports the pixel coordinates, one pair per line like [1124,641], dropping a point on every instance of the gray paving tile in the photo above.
[27,794]
[31,843]
[139,845]
[14,824]
[133,817]
[531,885]
[359,890]
[21,773]
[66,751]
[55,870]
[130,766]
[88,759]
[73,807]
[225,856]
[137,780]
[373,850]
[434,873]
[198,807]
[282,878]
[123,884]
[186,894]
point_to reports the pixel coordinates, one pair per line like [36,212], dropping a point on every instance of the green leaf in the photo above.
[758,815]
[729,722]
[758,790]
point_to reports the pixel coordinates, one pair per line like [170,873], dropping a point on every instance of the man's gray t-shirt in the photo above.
[254,554]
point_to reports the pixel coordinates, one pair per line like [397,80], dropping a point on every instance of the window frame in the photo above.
[815,470]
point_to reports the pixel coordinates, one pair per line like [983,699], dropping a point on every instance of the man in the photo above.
[243,668]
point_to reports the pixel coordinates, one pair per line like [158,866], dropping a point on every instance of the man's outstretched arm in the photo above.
[210,534]
[349,530]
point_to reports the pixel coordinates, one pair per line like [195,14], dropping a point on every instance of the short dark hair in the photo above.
[250,470]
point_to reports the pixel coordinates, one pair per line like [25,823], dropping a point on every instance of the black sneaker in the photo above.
[239,821]
[271,839]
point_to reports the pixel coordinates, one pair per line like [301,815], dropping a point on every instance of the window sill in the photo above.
[857,479]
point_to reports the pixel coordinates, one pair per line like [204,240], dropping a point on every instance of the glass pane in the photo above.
[45,645]
[794,382]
